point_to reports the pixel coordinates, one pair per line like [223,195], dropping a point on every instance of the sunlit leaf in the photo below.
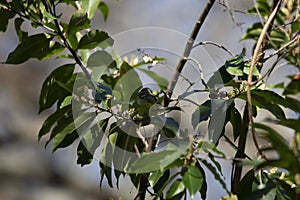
[219,78]
[35,46]
[176,188]
[90,142]
[253,32]
[101,58]
[95,38]
[51,91]
[90,6]
[51,119]
[235,65]
[161,181]
[202,113]
[68,134]
[104,10]
[192,180]
[149,162]
[78,21]
[161,81]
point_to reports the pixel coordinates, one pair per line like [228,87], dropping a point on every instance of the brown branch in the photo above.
[258,48]
[248,113]
[71,50]
[187,50]
[214,44]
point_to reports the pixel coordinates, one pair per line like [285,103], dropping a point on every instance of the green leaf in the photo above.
[210,146]
[193,180]
[235,65]
[95,38]
[287,159]
[245,186]
[104,10]
[253,32]
[263,8]
[52,91]
[217,176]
[275,98]
[291,123]
[230,197]
[5,15]
[292,88]
[105,170]
[153,161]
[90,142]
[236,122]
[35,46]
[203,189]
[219,78]
[202,113]
[124,153]
[105,163]
[296,25]
[149,162]
[247,68]
[50,121]
[267,100]
[161,81]
[216,163]
[154,177]
[176,188]
[279,37]
[171,127]
[90,6]
[219,119]
[161,181]
[68,134]
[78,22]
[101,58]
[20,33]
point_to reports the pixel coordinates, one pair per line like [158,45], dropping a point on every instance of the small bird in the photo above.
[145,96]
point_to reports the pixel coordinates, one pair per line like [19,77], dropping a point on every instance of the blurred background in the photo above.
[27,169]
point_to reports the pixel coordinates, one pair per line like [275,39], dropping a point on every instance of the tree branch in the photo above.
[187,50]
[258,48]
[214,44]
[248,113]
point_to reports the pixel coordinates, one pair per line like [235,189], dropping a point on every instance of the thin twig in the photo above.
[282,48]
[187,50]
[215,44]
[235,147]
[200,70]
[253,62]
[233,10]
[68,46]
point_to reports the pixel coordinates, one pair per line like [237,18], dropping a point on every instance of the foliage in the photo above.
[101,105]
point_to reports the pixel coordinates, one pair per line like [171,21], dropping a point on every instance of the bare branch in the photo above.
[215,44]
[188,49]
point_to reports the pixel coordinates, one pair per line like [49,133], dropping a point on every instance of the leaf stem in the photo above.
[71,50]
